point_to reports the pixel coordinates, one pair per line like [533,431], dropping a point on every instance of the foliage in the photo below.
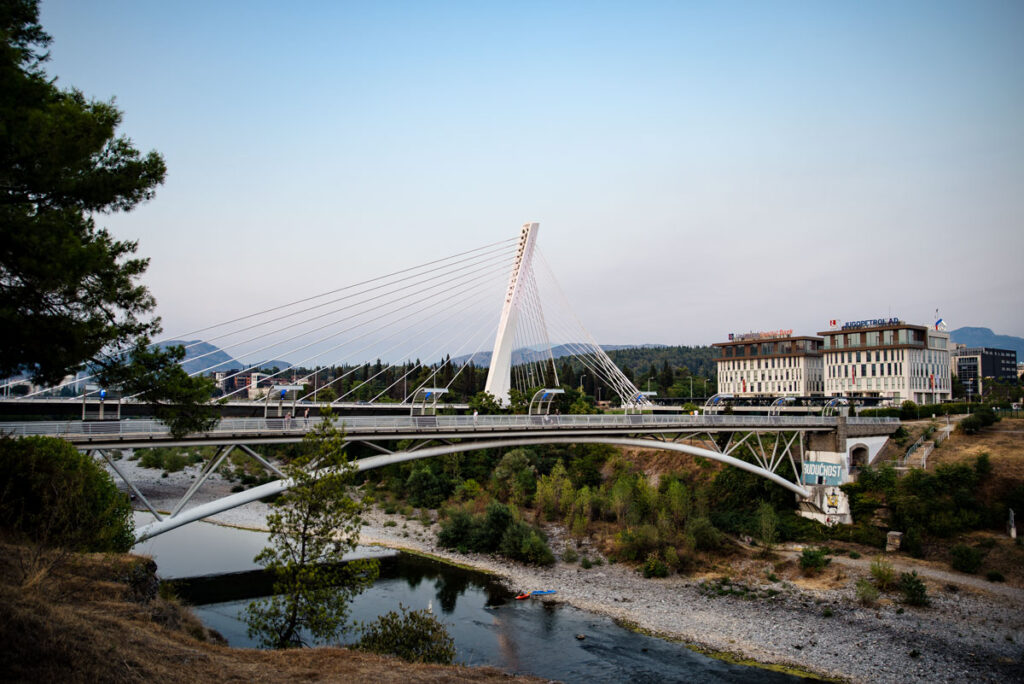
[867,593]
[995,576]
[68,290]
[915,593]
[971,425]
[936,504]
[767,526]
[314,524]
[415,636]
[908,410]
[514,478]
[655,567]
[484,403]
[55,496]
[883,573]
[813,561]
[965,558]
[425,489]
[706,537]
[497,530]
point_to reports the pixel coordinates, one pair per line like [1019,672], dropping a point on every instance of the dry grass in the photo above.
[1003,442]
[85,623]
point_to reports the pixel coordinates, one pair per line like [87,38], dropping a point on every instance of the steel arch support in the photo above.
[371,462]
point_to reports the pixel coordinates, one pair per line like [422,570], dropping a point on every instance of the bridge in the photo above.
[394,315]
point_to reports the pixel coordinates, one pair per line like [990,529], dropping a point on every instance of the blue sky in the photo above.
[698,168]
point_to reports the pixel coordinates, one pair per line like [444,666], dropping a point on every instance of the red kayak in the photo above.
[523,596]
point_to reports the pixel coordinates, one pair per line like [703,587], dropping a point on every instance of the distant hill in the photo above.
[213,357]
[984,337]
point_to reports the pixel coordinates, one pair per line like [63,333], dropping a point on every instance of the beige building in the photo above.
[887,358]
[770,364]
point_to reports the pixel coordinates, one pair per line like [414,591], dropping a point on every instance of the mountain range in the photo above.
[984,337]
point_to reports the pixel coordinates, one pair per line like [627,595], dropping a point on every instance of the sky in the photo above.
[697,168]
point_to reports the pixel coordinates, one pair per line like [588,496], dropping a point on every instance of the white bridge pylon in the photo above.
[499,375]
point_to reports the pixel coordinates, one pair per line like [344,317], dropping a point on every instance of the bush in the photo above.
[655,567]
[854,555]
[965,558]
[867,593]
[706,536]
[416,636]
[971,425]
[884,574]
[570,555]
[913,589]
[813,561]
[522,542]
[994,576]
[54,495]
[586,564]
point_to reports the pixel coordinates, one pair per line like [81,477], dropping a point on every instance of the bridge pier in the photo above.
[831,460]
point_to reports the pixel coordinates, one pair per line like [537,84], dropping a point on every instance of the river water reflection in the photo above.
[489,627]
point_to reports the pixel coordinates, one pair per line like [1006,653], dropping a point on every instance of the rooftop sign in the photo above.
[871,323]
[767,335]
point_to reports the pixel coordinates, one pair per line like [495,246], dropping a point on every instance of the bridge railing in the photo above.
[146,428]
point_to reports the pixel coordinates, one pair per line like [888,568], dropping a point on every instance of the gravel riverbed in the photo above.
[969,633]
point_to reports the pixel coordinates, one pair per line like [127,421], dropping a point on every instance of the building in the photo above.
[770,364]
[888,358]
[973,364]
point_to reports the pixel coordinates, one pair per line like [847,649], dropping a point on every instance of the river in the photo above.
[488,625]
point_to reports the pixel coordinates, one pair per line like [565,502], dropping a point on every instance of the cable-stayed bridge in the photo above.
[448,306]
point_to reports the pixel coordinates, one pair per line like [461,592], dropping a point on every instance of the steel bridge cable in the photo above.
[457,279]
[437,323]
[347,287]
[325,314]
[503,243]
[306,346]
[622,380]
[347,297]
[447,361]
[488,326]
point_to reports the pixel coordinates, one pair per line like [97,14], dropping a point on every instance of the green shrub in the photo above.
[586,564]
[915,593]
[813,561]
[570,555]
[867,593]
[994,576]
[884,574]
[416,636]
[965,558]
[854,555]
[971,425]
[655,567]
[706,537]
[54,495]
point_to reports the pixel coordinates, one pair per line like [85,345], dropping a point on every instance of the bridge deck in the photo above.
[142,433]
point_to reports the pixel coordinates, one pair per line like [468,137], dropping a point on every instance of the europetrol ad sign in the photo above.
[822,473]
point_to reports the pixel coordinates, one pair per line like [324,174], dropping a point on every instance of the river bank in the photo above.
[970,632]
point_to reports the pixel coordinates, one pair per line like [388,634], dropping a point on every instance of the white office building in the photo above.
[887,358]
[770,364]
